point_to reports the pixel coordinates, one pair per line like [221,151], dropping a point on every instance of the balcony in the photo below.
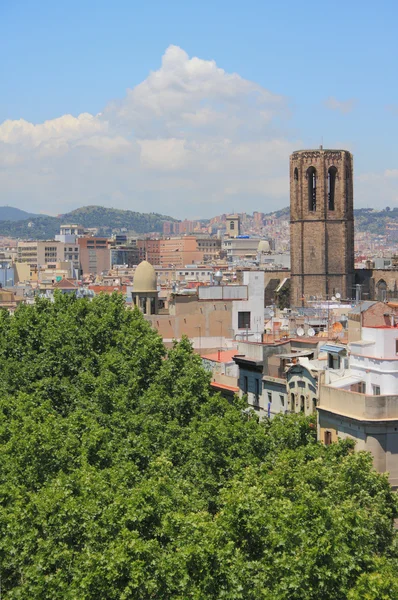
[363,407]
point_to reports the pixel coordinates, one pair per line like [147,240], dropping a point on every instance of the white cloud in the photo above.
[343,106]
[377,189]
[391,173]
[189,135]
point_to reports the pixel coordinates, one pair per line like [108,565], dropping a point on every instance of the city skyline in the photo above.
[208,122]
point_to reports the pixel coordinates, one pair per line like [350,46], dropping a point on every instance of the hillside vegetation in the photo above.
[366,219]
[106,219]
[122,476]
[9,213]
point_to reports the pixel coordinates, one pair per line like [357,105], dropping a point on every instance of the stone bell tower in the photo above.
[321,225]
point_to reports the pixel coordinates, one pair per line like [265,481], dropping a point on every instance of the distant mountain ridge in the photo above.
[42,227]
[366,219]
[9,213]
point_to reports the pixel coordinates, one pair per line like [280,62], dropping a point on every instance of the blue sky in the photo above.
[329,72]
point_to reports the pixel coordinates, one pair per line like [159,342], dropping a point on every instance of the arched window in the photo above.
[302,401]
[311,176]
[296,174]
[347,187]
[292,402]
[332,172]
[381,288]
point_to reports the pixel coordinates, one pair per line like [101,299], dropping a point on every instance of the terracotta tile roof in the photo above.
[222,386]
[65,284]
[108,289]
[221,356]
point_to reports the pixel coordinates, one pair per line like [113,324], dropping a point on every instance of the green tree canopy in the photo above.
[122,476]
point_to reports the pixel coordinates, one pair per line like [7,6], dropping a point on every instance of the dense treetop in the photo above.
[122,476]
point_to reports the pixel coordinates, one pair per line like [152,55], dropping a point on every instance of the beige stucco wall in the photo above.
[195,319]
[372,421]
[360,406]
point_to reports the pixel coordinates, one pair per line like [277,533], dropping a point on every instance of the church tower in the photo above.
[321,225]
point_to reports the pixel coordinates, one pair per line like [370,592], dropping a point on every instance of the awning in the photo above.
[333,349]
[346,381]
[299,354]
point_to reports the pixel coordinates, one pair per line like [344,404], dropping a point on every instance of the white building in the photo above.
[362,404]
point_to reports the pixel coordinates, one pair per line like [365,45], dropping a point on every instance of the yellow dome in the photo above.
[263,246]
[144,278]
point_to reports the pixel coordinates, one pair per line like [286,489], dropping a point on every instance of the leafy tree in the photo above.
[122,476]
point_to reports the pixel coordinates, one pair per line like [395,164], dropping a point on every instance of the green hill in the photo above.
[9,213]
[105,219]
[366,219]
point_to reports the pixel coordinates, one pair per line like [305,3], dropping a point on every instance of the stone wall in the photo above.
[321,240]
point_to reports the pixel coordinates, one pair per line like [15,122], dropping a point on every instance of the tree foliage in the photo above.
[122,476]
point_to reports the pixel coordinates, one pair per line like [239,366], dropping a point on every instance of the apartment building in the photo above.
[173,252]
[38,254]
[362,403]
[211,248]
[94,254]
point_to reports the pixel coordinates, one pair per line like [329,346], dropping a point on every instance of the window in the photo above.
[245,384]
[244,320]
[292,402]
[301,384]
[331,186]
[376,390]
[314,404]
[296,174]
[302,401]
[232,225]
[311,176]
[362,387]
[347,187]
[282,399]
[328,438]
[396,346]
[257,388]
[291,384]
[270,397]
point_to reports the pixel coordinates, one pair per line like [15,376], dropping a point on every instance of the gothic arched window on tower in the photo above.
[311,176]
[347,186]
[332,172]
[296,174]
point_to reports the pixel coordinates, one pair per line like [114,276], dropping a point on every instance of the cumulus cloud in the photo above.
[377,189]
[189,135]
[343,106]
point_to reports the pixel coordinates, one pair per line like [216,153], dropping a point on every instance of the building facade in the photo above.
[363,403]
[321,225]
[94,254]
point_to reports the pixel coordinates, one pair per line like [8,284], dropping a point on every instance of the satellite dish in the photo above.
[333,298]
[271,313]
[338,296]
[311,332]
[300,331]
